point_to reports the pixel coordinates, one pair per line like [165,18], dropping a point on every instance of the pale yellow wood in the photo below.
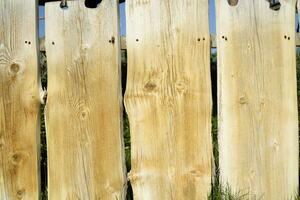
[124,46]
[19,100]
[258,126]
[122,41]
[168,98]
[83,111]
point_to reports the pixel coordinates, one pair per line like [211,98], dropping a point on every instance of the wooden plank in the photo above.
[19,100]
[83,111]
[168,98]
[258,125]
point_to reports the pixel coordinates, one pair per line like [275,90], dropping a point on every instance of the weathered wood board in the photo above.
[258,125]
[84,105]
[19,100]
[168,98]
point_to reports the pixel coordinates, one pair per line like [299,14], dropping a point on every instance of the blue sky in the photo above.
[123,19]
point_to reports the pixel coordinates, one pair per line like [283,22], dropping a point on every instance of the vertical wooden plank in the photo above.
[258,122]
[83,112]
[168,98]
[19,100]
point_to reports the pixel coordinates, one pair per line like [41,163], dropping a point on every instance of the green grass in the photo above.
[225,193]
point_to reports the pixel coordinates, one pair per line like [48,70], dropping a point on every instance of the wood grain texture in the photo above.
[83,112]
[258,125]
[168,98]
[19,100]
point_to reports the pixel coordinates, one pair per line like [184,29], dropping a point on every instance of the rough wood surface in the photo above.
[168,98]
[258,125]
[124,45]
[83,111]
[19,101]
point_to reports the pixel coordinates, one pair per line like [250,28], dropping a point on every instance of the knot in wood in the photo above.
[83,115]
[17,158]
[21,193]
[150,87]
[14,68]
[243,100]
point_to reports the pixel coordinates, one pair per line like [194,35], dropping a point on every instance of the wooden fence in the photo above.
[168,99]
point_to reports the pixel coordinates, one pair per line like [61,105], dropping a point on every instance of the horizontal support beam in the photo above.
[124,47]
[42,2]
